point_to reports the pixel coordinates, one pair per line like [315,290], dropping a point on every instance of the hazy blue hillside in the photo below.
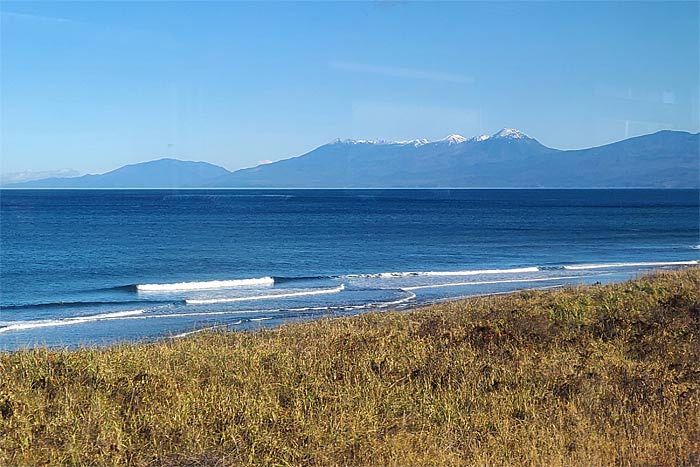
[162,173]
[509,158]
[666,159]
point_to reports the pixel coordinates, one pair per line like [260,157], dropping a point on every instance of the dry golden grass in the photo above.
[601,375]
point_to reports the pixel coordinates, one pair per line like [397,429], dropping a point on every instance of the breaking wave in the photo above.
[283,279]
[577,267]
[206,285]
[269,280]
[512,281]
[473,272]
[48,323]
[400,301]
[208,301]
[30,306]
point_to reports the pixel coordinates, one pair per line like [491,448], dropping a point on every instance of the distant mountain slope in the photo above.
[28,175]
[509,158]
[667,159]
[162,173]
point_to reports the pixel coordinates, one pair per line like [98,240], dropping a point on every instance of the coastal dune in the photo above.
[595,375]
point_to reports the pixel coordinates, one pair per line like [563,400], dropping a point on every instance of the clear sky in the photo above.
[95,85]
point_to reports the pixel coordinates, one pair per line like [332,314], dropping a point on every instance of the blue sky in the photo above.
[95,85]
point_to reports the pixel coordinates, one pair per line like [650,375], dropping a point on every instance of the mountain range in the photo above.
[506,159]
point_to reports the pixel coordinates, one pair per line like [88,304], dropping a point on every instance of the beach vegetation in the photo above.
[582,376]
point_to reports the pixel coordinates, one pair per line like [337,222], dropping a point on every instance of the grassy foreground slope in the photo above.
[600,375]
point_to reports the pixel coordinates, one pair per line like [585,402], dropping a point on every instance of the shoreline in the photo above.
[301,319]
[408,308]
[402,309]
[587,375]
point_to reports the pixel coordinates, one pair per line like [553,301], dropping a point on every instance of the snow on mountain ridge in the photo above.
[505,133]
[415,142]
[510,133]
[452,139]
[477,139]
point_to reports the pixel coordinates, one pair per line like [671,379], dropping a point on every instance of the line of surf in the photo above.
[123,316]
[522,270]
[205,285]
[378,305]
[209,301]
[268,281]
[46,323]
[140,316]
[510,281]
[283,279]
[577,267]
[81,304]
[471,272]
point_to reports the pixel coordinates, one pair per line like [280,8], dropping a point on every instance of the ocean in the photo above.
[94,267]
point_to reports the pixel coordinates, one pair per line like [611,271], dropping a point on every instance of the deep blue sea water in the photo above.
[95,267]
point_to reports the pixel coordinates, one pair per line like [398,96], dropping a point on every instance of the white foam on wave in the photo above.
[197,313]
[511,281]
[578,267]
[209,301]
[222,313]
[695,247]
[141,314]
[206,285]
[400,301]
[472,272]
[219,313]
[48,323]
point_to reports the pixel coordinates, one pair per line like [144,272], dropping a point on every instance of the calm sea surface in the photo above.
[94,267]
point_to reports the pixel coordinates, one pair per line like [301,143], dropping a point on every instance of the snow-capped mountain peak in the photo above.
[453,139]
[477,139]
[414,142]
[510,133]
[357,141]
[450,140]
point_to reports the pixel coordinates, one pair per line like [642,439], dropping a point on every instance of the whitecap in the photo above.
[48,323]
[511,281]
[304,293]
[577,267]
[470,272]
[205,285]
